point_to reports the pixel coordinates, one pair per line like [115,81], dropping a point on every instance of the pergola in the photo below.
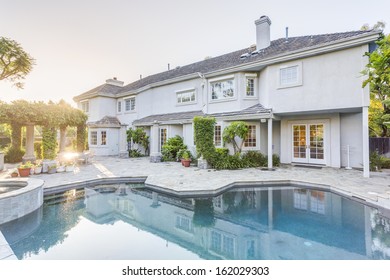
[51,116]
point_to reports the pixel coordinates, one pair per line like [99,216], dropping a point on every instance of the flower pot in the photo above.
[186,162]
[69,168]
[52,170]
[14,174]
[37,169]
[24,172]
[61,169]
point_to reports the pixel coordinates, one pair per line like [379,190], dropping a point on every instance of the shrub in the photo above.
[275,160]
[13,155]
[134,153]
[138,136]
[233,131]
[377,161]
[38,149]
[170,150]
[49,142]
[254,159]
[181,154]
[204,137]
[228,162]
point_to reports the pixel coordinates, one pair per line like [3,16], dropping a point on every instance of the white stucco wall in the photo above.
[112,146]
[329,81]
[100,107]
[352,135]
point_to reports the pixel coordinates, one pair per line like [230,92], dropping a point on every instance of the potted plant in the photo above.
[14,173]
[186,159]
[69,167]
[24,169]
[60,168]
[52,168]
[38,168]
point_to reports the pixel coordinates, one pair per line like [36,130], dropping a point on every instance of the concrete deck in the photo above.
[174,178]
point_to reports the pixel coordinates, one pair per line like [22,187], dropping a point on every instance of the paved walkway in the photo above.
[173,177]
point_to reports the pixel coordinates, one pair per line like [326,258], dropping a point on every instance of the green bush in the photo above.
[170,150]
[221,161]
[182,152]
[13,155]
[254,159]
[134,153]
[38,149]
[204,137]
[377,161]
[49,142]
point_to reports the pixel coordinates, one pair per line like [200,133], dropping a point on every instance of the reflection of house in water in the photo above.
[248,223]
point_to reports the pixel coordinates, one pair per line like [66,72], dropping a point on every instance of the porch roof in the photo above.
[107,121]
[254,111]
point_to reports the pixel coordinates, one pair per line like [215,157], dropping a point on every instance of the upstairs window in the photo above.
[250,87]
[290,75]
[119,106]
[186,97]
[130,104]
[85,106]
[221,90]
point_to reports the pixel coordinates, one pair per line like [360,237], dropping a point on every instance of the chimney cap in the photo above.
[263,19]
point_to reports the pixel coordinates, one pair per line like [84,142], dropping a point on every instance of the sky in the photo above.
[78,44]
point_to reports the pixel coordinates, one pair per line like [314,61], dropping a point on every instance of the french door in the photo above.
[308,143]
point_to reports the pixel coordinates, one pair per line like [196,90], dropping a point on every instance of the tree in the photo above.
[234,131]
[380,25]
[15,63]
[378,77]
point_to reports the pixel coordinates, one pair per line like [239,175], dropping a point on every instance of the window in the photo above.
[186,97]
[119,106]
[184,223]
[222,244]
[222,89]
[216,239]
[251,137]
[93,139]
[218,136]
[163,137]
[217,201]
[290,75]
[130,104]
[317,202]
[300,199]
[85,106]
[103,140]
[250,87]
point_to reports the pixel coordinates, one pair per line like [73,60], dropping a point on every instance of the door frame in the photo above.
[327,146]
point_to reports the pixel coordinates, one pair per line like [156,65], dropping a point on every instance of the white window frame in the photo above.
[85,106]
[180,93]
[119,106]
[90,138]
[258,136]
[129,99]
[299,80]
[221,145]
[220,80]
[101,137]
[254,78]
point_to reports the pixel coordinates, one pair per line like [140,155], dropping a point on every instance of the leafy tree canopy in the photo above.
[15,63]
[378,77]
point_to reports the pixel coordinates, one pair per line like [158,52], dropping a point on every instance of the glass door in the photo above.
[308,143]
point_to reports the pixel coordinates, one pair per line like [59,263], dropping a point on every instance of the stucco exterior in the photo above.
[310,84]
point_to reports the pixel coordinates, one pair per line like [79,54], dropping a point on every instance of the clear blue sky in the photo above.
[78,44]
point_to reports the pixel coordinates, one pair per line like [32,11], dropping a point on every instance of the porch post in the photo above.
[62,139]
[270,143]
[155,155]
[366,145]
[29,155]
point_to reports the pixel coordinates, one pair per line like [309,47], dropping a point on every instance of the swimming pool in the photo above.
[131,222]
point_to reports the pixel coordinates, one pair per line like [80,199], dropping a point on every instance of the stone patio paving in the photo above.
[174,178]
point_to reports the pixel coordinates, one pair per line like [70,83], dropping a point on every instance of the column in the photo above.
[155,155]
[29,155]
[270,209]
[270,152]
[123,152]
[62,140]
[366,145]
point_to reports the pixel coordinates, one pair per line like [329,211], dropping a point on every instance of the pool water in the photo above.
[132,222]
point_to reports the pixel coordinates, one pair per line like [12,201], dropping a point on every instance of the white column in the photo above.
[123,142]
[270,209]
[270,143]
[62,140]
[29,155]
[155,155]
[366,145]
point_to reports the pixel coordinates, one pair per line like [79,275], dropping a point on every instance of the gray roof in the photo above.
[254,110]
[277,48]
[106,121]
[104,89]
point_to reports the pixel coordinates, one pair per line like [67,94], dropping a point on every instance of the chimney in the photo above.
[114,82]
[263,39]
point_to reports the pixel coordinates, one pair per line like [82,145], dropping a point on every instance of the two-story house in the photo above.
[301,97]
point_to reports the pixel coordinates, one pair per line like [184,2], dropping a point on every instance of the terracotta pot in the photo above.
[13,175]
[186,162]
[24,172]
